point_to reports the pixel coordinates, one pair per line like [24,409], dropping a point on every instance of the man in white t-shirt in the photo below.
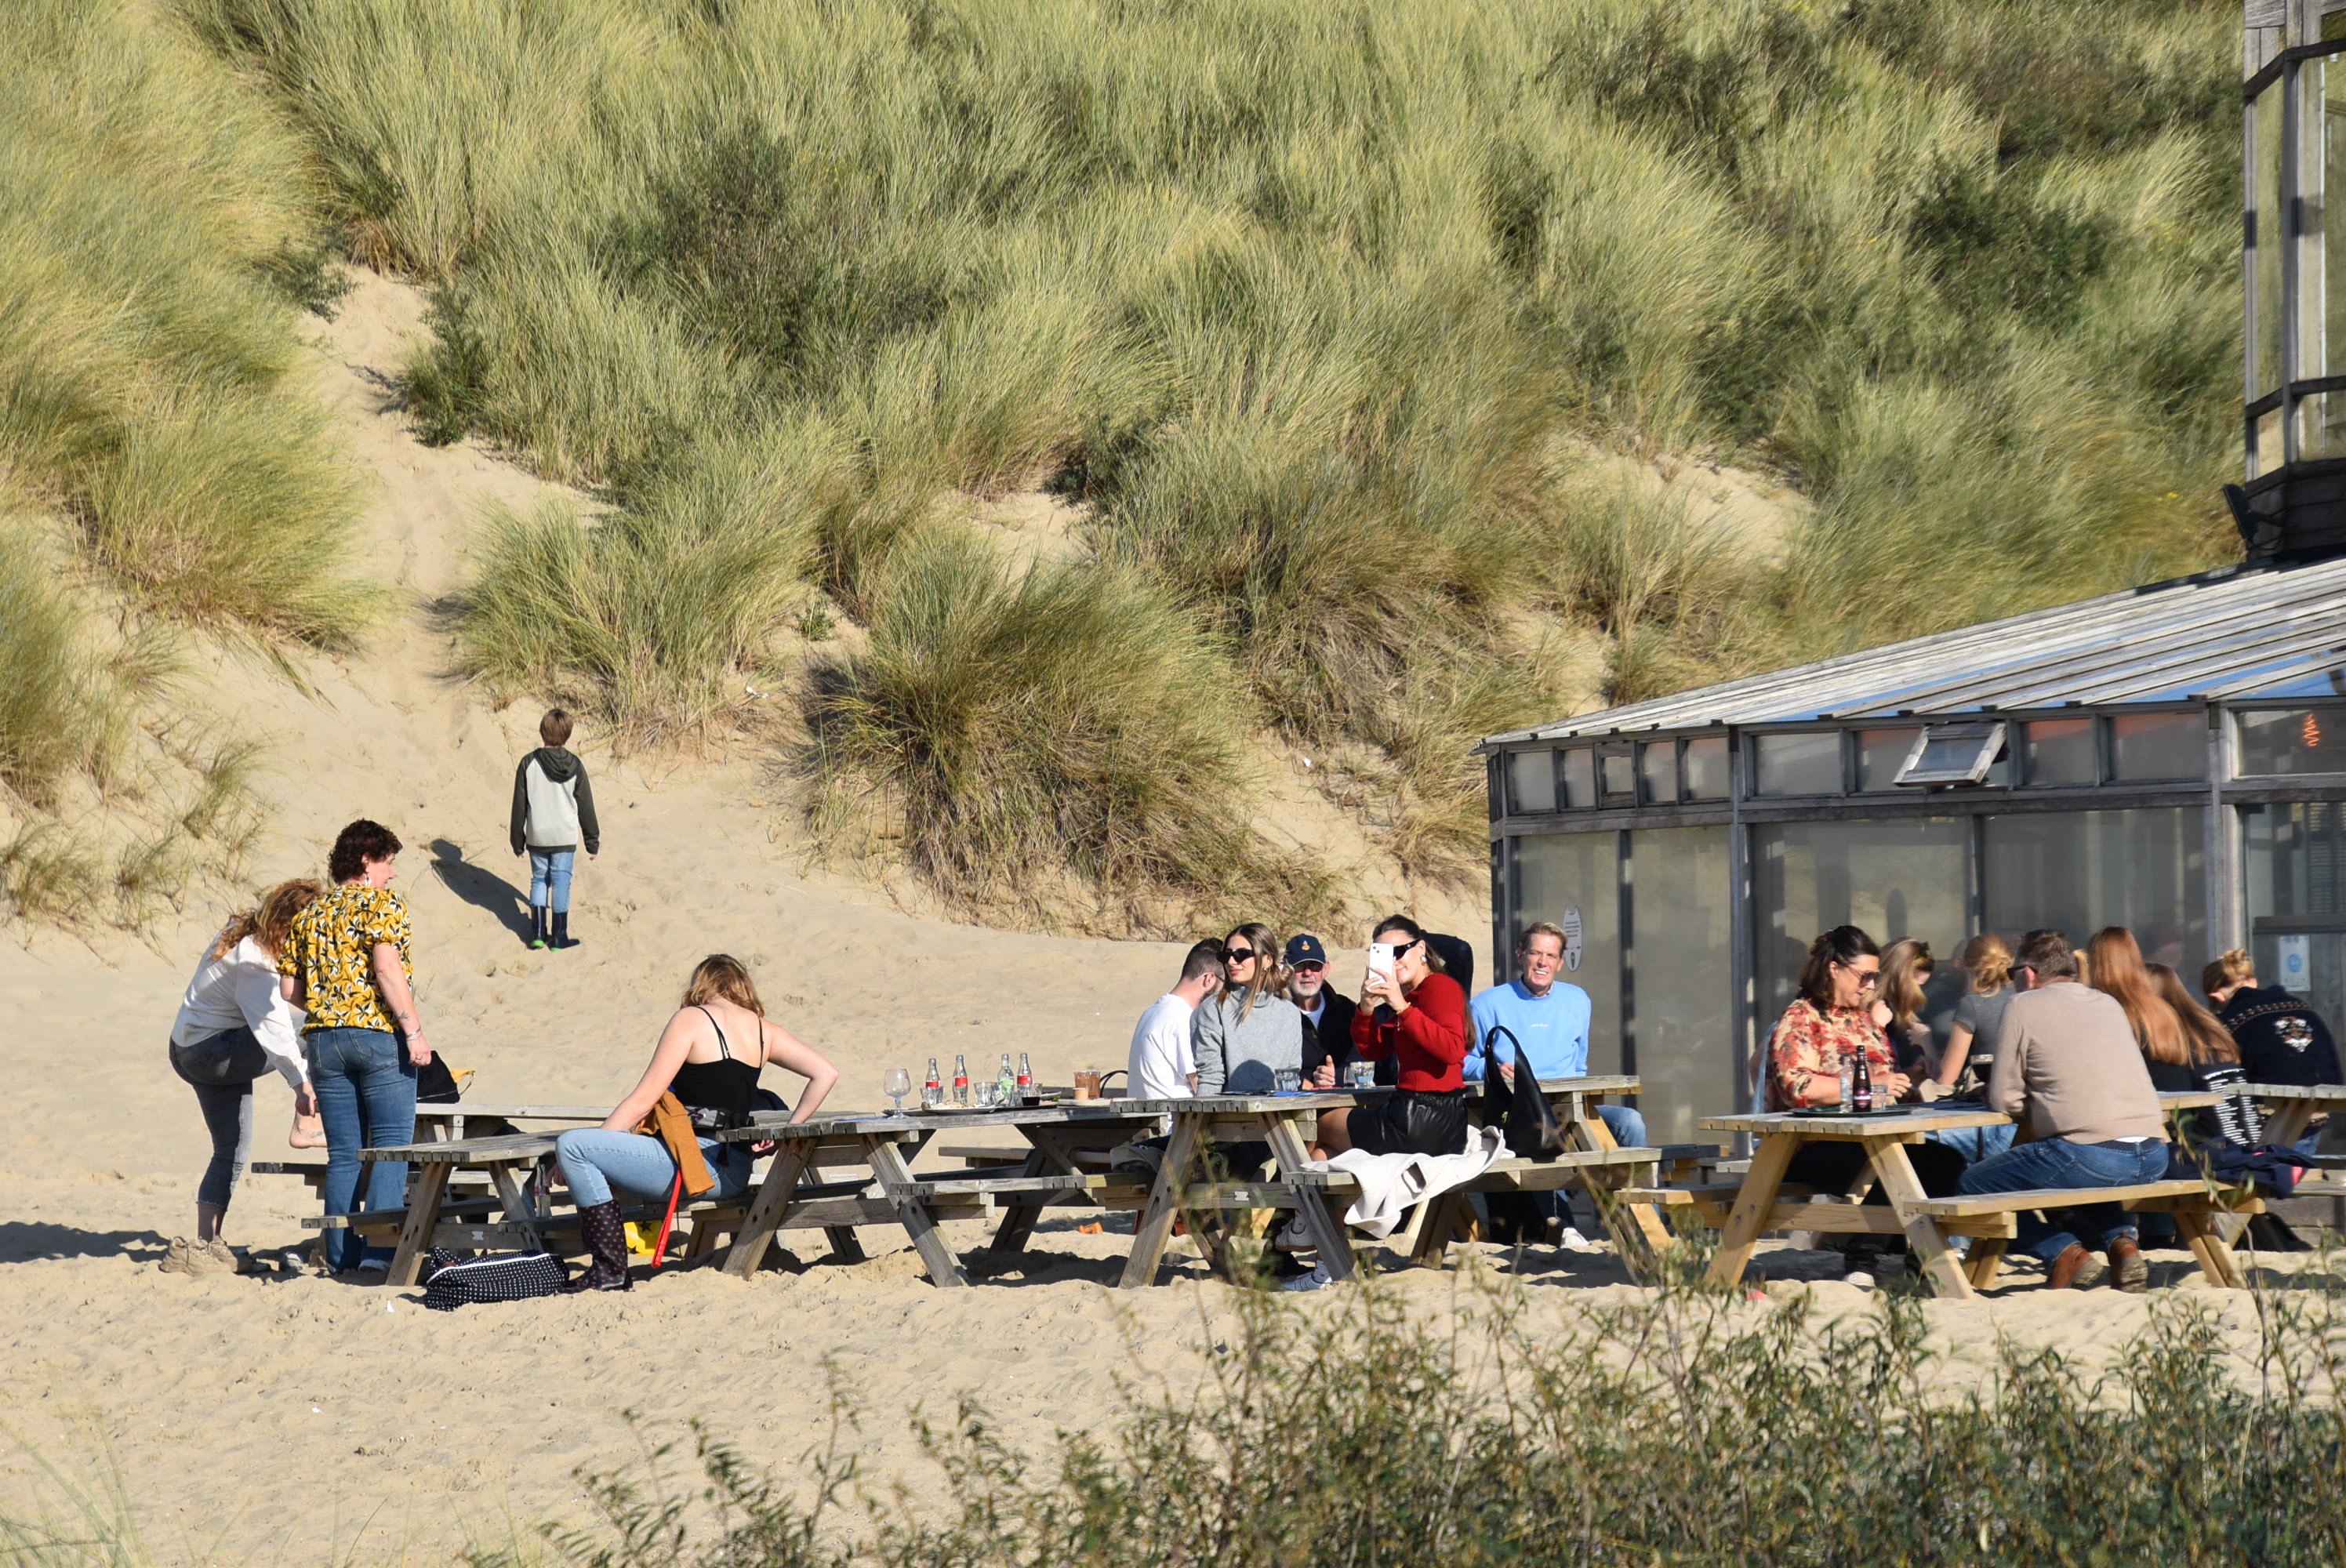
[1164,1063]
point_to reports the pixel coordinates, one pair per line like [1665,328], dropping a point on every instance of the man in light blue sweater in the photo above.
[1551,1020]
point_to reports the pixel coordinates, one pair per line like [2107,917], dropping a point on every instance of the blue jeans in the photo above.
[549,879]
[595,1161]
[1628,1127]
[366,1097]
[2058,1163]
[1974,1144]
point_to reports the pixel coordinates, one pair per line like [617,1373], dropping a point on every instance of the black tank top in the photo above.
[723,1086]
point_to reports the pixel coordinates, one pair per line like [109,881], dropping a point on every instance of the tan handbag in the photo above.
[672,1124]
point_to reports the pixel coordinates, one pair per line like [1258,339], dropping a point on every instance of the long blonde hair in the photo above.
[270,922]
[721,977]
[2210,1040]
[2117,970]
[1988,959]
[1905,965]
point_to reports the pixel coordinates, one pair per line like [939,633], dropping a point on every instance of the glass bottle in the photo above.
[1863,1101]
[960,1080]
[1007,1081]
[933,1091]
[1025,1080]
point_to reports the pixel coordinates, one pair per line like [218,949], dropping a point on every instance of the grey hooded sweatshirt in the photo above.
[1239,1055]
[553,808]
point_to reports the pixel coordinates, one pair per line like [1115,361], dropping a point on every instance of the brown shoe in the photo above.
[2129,1270]
[2075,1269]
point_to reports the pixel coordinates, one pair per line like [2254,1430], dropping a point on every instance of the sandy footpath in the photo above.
[291,1418]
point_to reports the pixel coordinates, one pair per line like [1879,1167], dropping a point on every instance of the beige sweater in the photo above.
[2065,1054]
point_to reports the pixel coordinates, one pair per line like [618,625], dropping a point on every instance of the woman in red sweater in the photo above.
[1418,1015]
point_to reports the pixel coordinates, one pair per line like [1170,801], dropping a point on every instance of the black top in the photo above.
[1331,1041]
[2237,1120]
[727,1087]
[2281,1040]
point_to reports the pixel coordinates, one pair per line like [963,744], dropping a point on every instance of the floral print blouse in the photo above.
[1804,1053]
[331,950]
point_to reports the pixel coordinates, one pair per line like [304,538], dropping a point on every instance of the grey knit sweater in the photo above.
[1239,1055]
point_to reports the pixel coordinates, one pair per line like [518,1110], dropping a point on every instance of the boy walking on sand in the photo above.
[552,814]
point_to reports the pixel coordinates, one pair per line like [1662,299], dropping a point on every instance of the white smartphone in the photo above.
[1381,958]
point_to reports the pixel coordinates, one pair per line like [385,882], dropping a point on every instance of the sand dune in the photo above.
[258,1415]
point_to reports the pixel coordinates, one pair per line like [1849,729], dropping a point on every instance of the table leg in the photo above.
[423,1218]
[2288,1121]
[1651,1227]
[1441,1223]
[517,1205]
[2215,1259]
[1154,1227]
[1319,1211]
[1985,1261]
[1018,1219]
[1754,1201]
[888,1165]
[843,1245]
[1924,1237]
[766,1211]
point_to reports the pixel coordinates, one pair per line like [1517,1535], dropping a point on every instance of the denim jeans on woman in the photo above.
[595,1161]
[366,1097]
[2058,1163]
[549,879]
[220,1069]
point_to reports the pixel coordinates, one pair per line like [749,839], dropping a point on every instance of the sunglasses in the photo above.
[1865,977]
[1309,967]
[1239,955]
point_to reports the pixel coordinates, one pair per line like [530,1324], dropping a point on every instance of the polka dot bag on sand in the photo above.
[506,1277]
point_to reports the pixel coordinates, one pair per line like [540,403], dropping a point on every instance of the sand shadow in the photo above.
[28,1241]
[481,887]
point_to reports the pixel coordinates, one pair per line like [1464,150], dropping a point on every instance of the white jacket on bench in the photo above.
[1391,1183]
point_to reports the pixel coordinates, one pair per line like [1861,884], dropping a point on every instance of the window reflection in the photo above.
[1800,764]
[2062,751]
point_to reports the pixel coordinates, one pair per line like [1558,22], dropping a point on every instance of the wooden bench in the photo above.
[2192,1202]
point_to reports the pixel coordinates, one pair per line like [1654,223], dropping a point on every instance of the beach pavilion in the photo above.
[2170,759]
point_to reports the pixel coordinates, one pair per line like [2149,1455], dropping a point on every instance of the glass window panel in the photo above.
[1894,879]
[1657,767]
[1531,780]
[2062,751]
[2294,863]
[2320,148]
[2264,256]
[1881,753]
[1573,878]
[2268,452]
[1619,770]
[1679,978]
[1706,769]
[1579,778]
[2156,746]
[2292,741]
[1807,764]
[2321,422]
[2077,872]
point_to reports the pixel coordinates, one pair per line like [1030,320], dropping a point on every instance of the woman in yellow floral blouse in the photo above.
[347,962]
[1829,1021]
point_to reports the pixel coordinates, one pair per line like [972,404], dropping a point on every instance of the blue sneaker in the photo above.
[1317,1279]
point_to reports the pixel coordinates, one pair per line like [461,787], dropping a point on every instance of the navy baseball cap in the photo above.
[1304,948]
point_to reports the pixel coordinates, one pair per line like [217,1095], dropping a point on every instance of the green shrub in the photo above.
[1675,1430]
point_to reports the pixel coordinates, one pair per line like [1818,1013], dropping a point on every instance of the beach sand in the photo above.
[259,1416]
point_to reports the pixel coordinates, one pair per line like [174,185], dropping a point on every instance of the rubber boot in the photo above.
[606,1241]
[561,931]
[537,925]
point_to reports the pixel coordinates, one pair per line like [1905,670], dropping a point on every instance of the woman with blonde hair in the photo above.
[234,1025]
[1987,960]
[1898,999]
[2281,1039]
[1250,1032]
[715,1045]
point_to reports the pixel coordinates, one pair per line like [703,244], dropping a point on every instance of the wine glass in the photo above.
[896,1085]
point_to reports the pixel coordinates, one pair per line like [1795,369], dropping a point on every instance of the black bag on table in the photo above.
[499,1277]
[1532,1132]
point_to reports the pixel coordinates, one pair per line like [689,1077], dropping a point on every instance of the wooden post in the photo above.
[1320,1216]
[1924,1237]
[888,1165]
[2216,1260]
[1753,1204]
[766,1211]
[423,1217]
[1653,1230]
[1154,1227]
[1986,1260]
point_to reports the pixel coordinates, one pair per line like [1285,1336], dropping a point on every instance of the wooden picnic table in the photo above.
[509,1161]
[1929,1225]
[1289,1123]
[886,1140]
[2293,1106]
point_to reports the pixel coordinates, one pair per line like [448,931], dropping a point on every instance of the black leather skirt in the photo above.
[1411,1122]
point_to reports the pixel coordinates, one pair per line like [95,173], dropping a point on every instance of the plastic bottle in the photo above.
[1008,1082]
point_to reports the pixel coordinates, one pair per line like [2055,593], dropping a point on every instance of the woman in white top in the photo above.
[234,1025]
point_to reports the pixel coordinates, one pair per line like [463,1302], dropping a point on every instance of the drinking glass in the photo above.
[987,1093]
[896,1085]
[1363,1075]
[1848,1086]
[932,1097]
[1289,1080]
